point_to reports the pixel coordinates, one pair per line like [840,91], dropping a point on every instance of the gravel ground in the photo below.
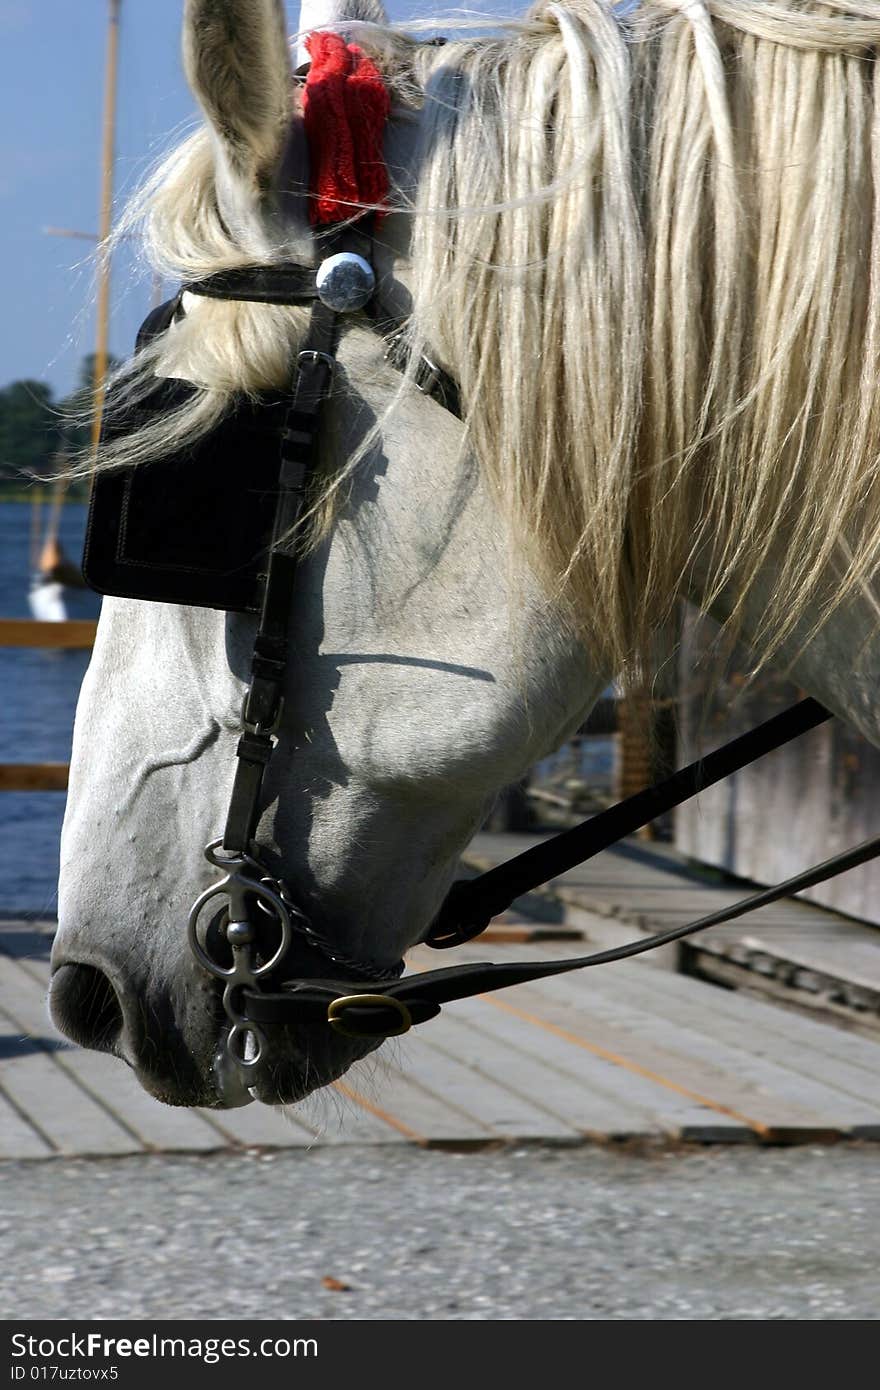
[531,1233]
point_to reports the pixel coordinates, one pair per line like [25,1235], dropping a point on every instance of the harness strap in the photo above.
[420,996]
[285,282]
[261,710]
[291,284]
[472,903]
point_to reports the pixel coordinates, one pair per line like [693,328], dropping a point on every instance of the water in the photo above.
[39,690]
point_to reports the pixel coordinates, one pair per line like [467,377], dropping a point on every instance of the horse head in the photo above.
[430,667]
[595,226]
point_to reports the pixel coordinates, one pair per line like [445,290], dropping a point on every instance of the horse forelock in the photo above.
[645,241]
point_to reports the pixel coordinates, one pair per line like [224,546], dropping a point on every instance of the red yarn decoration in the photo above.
[345,107]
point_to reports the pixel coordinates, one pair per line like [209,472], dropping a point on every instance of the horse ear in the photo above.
[237,62]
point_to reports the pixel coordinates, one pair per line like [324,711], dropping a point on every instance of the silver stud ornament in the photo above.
[345,282]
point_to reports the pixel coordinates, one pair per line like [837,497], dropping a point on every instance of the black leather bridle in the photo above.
[374,1002]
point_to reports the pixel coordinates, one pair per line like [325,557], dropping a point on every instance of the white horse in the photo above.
[643,240]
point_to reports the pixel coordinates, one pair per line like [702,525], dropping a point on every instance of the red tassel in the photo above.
[345,107]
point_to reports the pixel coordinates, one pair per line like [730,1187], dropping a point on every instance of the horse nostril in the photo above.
[85,1007]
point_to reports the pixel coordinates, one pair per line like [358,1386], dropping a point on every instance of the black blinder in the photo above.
[193,527]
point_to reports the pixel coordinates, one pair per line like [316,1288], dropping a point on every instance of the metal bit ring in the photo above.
[236,886]
[243,1028]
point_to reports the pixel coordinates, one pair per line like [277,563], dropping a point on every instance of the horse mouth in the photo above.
[296,1063]
[177,1046]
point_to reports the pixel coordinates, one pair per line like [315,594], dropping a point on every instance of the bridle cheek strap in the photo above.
[344,283]
[417,998]
[261,708]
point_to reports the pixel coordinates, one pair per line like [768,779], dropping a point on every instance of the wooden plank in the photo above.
[663,1054]
[337,1115]
[618,886]
[618,889]
[862,965]
[583,1091]
[761,1025]
[72,634]
[109,1082]
[173,1129]
[814,925]
[29,950]
[362,1096]
[770,1118]
[34,777]
[487,1098]
[106,1079]
[161,1127]
[23,1000]
[770,1095]
[343,1114]
[746,1028]
[18,1138]
[260,1126]
[419,1114]
[669,1110]
[62,1111]
[347,1119]
[619,1101]
[388,1112]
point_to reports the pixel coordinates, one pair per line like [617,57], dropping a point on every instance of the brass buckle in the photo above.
[336,1015]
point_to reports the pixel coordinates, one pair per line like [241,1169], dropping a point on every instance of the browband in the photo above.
[285,282]
[289,283]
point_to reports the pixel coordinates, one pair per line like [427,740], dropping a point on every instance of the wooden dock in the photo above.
[626,1052]
[797,952]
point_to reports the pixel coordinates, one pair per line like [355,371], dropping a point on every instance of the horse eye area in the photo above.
[85,1006]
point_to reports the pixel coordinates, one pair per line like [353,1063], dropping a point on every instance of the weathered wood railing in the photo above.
[77,634]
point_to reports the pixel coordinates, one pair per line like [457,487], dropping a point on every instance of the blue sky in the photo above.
[51,93]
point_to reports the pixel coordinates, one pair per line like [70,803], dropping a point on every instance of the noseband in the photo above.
[242,928]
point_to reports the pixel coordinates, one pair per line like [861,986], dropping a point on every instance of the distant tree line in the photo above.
[38,433]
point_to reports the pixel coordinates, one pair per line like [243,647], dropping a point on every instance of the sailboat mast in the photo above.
[106,222]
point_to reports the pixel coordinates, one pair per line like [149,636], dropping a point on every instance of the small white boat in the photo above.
[51,570]
[46,599]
